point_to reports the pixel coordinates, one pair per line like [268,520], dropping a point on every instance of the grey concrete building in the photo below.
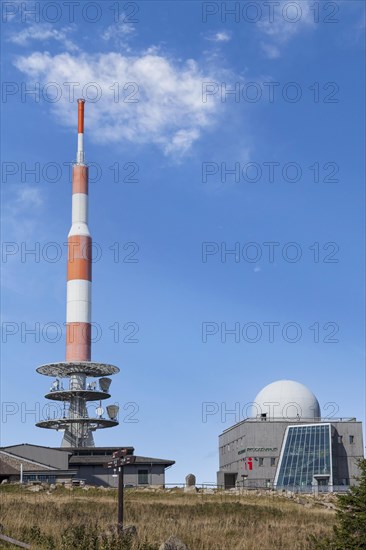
[13,468]
[62,464]
[286,444]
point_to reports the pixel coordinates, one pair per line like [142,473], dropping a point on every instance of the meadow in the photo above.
[79,519]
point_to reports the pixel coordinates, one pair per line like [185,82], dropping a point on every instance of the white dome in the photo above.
[286,399]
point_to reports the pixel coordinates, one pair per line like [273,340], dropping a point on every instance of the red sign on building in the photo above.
[249,463]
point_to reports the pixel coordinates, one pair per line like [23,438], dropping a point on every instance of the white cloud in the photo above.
[119,33]
[289,19]
[20,212]
[167,109]
[28,197]
[43,32]
[271,51]
[221,36]
[181,141]
[21,216]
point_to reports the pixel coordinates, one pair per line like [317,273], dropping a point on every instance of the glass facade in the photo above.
[306,455]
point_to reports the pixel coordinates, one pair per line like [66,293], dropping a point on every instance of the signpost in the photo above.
[244,477]
[120,459]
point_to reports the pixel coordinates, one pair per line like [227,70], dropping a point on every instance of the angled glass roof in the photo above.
[306,456]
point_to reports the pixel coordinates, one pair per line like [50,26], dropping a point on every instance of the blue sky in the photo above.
[176,142]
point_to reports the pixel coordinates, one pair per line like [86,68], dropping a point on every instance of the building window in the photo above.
[143,477]
[351,439]
[30,477]
[260,461]
[273,461]
[340,438]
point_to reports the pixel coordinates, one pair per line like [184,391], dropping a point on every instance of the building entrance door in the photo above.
[229,481]
[321,483]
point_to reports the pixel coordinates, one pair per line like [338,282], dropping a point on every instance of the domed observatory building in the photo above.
[286,444]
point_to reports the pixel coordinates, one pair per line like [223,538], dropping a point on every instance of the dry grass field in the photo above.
[77,519]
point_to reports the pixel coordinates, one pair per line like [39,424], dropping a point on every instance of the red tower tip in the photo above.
[81,116]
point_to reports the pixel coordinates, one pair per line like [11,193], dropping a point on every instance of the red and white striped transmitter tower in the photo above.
[70,415]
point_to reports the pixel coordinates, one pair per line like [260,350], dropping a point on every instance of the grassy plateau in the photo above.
[85,519]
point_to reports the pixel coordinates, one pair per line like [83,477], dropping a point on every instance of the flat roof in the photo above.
[86,455]
[101,459]
[292,421]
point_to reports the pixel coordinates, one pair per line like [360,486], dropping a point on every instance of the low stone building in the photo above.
[65,464]
[14,468]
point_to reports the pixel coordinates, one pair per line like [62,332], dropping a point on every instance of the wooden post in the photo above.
[120,458]
[14,542]
[120,499]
